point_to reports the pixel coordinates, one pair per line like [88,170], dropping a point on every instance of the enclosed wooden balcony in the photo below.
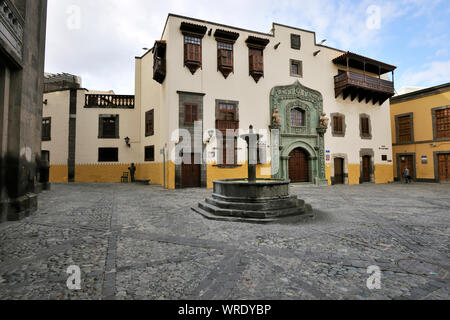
[159,61]
[224,125]
[363,85]
[109,101]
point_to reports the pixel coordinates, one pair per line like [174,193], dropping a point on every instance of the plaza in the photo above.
[144,242]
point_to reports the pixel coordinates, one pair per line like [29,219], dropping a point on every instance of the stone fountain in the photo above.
[253,200]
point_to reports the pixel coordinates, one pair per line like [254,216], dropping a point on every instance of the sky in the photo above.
[98,40]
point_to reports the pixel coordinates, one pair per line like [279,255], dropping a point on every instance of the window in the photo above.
[256,60]
[365,128]
[227,112]
[225,58]
[296,41]
[108,155]
[296,68]
[442,123]
[150,153]
[256,48]
[384,158]
[192,53]
[338,124]
[46,129]
[297,117]
[190,113]
[404,124]
[150,123]
[108,127]
[227,119]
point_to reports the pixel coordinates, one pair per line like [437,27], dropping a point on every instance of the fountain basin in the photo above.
[260,201]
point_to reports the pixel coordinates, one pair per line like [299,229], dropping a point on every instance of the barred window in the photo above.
[443,123]
[297,117]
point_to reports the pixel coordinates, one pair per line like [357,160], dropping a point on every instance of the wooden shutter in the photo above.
[443,123]
[404,129]
[365,126]
[338,124]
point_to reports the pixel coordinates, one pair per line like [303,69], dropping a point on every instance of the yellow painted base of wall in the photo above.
[59,174]
[111,173]
[108,173]
[384,173]
[155,172]
[354,173]
[328,173]
[215,173]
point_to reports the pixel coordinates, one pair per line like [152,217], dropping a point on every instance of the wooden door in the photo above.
[406,162]
[444,167]
[366,168]
[339,171]
[191,174]
[299,166]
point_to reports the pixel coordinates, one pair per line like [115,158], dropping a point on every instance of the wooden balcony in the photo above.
[159,61]
[224,125]
[364,87]
[159,70]
[109,101]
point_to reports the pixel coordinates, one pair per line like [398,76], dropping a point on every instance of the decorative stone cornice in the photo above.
[11,29]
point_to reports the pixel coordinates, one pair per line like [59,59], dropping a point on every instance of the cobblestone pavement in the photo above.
[143,242]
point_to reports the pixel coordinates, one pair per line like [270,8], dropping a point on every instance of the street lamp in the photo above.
[127,141]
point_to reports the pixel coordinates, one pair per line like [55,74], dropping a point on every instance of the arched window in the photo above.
[297,117]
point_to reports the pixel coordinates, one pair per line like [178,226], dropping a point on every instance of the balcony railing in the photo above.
[224,125]
[109,101]
[364,86]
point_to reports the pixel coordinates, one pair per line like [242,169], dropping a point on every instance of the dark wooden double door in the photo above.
[444,167]
[191,174]
[299,166]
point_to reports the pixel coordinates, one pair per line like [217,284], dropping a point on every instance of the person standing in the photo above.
[132,172]
[407,176]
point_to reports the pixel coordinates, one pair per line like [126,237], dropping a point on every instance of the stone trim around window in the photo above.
[433,115]
[365,136]
[397,128]
[344,125]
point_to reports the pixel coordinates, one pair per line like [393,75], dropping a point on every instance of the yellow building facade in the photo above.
[421,134]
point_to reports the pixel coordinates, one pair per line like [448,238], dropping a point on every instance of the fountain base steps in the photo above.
[265,201]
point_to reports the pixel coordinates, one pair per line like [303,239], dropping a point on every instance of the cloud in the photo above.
[113,32]
[430,74]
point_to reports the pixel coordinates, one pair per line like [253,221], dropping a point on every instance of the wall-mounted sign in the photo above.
[424,160]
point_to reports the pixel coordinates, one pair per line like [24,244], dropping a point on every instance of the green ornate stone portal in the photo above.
[308,136]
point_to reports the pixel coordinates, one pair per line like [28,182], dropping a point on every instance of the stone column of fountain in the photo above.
[252,140]
[252,200]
